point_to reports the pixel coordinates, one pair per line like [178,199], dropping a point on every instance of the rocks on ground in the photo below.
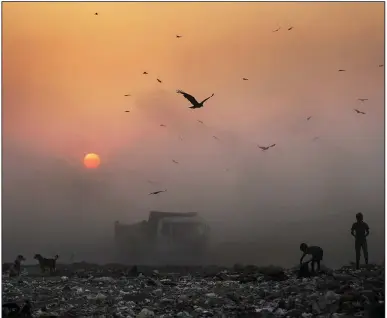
[243,291]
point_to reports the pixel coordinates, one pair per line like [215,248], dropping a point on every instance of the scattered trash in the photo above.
[257,292]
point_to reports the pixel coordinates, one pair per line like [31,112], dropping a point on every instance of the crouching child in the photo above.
[315,251]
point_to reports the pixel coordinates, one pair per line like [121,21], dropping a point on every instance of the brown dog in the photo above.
[15,267]
[44,263]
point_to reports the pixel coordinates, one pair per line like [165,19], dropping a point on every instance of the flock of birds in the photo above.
[195,104]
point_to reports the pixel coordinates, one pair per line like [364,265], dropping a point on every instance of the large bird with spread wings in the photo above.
[193,101]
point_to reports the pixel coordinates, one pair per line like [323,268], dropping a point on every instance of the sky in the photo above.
[65,74]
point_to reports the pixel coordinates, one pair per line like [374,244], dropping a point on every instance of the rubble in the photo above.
[243,291]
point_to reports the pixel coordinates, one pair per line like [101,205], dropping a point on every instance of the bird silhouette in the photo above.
[96,13]
[145,73]
[266,148]
[127,111]
[362,99]
[178,36]
[245,79]
[316,138]
[174,161]
[291,28]
[159,80]
[359,112]
[162,125]
[341,70]
[381,65]
[193,101]
[127,95]
[215,137]
[157,192]
[276,30]
[309,117]
[199,121]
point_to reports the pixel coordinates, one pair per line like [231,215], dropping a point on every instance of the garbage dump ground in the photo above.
[86,290]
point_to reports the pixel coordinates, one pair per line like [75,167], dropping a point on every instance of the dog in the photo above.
[15,267]
[44,263]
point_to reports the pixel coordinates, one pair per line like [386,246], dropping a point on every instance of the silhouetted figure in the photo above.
[341,70]
[309,118]
[360,231]
[381,65]
[362,99]
[245,79]
[96,13]
[276,30]
[316,252]
[145,73]
[127,95]
[291,28]
[178,36]
[159,80]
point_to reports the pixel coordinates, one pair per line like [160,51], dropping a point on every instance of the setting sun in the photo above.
[91,160]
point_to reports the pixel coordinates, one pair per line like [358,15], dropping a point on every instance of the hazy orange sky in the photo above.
[66,70]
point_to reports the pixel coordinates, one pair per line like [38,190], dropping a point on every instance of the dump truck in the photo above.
[166,238]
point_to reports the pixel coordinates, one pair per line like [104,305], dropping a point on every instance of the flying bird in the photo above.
[127,111]
[362,99]
[157,192]
[215,137]
[309,117]
[178,36]
[381,65]
[193,101]
[199,121]
[359,112]
[96,13]
[145,73]
[316,138]
[341,70]
[127,95]
[290,28]
[266,148]
[174,161]
[159,80]
[245,79]
[162,125]
[276,30]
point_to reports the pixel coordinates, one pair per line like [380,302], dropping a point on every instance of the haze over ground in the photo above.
[65,73]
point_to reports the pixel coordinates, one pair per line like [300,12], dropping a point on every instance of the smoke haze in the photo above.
[63,87]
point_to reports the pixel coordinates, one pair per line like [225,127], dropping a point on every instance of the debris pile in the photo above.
[243,291]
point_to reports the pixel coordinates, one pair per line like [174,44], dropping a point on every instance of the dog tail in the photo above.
[56,257]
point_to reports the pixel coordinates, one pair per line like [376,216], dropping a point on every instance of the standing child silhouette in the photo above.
[360,231]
